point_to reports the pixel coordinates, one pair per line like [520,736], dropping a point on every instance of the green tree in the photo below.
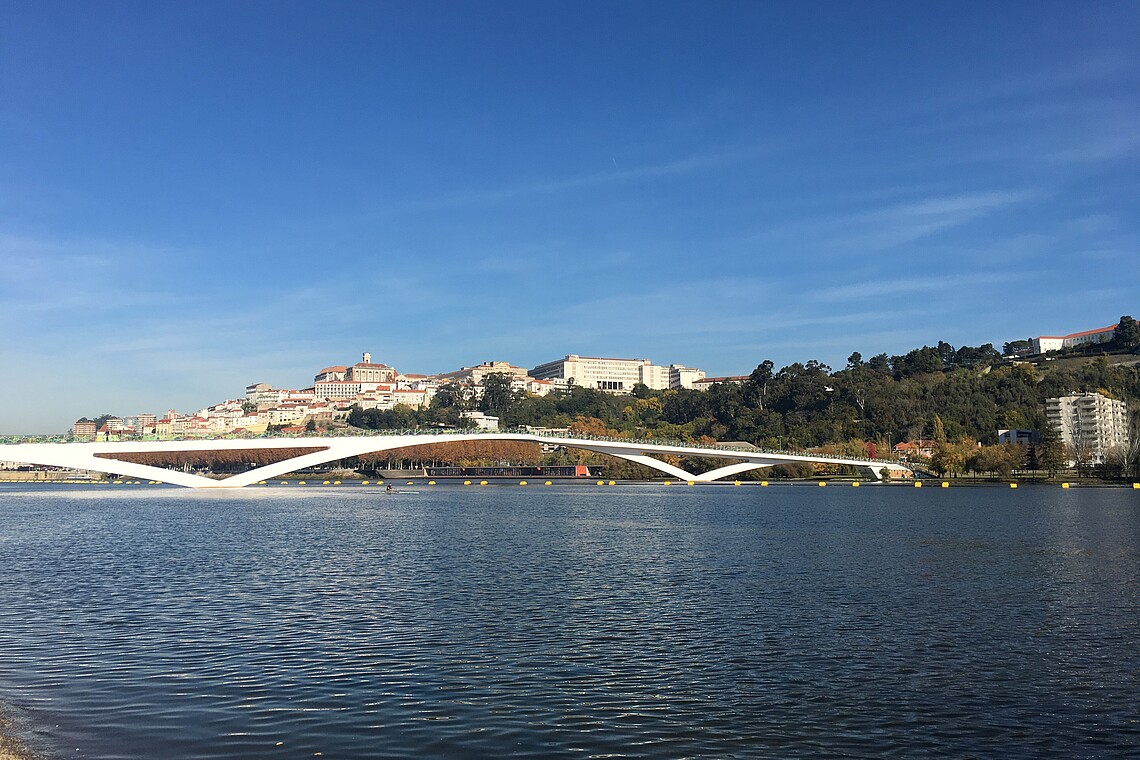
[1050,451]
[1127,333]
[939,430]
[497,394]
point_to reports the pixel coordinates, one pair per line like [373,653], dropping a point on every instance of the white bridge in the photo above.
[102,456]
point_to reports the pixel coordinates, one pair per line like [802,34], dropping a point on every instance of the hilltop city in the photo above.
[336,390]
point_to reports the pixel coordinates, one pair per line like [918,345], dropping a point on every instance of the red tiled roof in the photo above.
[1078,334]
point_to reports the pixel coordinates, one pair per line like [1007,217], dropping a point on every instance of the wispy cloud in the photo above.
[895,224]
[539,187]
[913,286]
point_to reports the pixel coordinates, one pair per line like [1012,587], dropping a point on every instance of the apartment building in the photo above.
[1090,424]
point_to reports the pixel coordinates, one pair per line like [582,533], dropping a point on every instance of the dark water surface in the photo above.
[572,621]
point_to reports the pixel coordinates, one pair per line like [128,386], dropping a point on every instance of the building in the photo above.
[83,429]
[615,375]
[910,449]
[1046,343]
[1091,424]
[337,373]
[705,383]
[339,389]
[681,376]
[366,372]
[1023,438]
[475,375]
[482,421]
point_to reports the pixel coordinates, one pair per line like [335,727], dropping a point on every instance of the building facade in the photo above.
[1091,424]
[1046,343]
[616,375]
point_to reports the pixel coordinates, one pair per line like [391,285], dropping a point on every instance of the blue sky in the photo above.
[196,196]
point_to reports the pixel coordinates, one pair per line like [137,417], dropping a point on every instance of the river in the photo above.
[571,621]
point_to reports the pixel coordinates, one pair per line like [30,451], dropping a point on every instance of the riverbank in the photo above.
[11,748]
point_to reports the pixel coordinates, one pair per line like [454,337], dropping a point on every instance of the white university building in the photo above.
[617,375]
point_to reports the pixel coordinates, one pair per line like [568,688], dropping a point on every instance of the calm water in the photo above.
[572,621]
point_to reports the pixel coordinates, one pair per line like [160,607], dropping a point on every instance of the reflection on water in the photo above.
[571,621]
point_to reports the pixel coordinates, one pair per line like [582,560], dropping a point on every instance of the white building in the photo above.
[339,389]
[614,375]
[1090,424]
[483,421]
[1046,343]
[705,383]
[681,376]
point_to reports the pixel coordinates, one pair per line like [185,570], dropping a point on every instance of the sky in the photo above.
[199,196]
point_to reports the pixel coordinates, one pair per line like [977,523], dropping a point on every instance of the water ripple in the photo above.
[569,622]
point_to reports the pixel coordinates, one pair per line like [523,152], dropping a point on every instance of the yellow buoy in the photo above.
[692,482]
[855,484]
[548,483]
[301,483]
[1136,485]
[668,482]
[467,482]
[612,483]
[522,482]
[763,482]
[822,484]
[1064,485]
[945,484]
[1013,485]
[431,482]
[284,482]
[736,482]
[325,483]
[917,484]
[364,482]
[482,482]
[336,482]
[410,483]
[601,482]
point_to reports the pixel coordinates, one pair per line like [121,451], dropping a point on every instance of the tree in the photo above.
[946,353]
[947,458]
[880,363]
[453,395]
[1050,451]
[939,435]
[497,394]
[1127,334]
